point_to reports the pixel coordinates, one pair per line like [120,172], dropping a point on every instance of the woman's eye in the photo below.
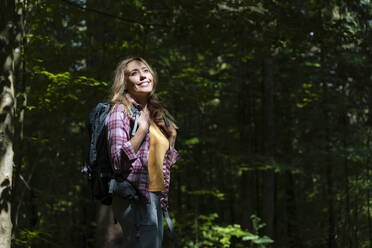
[133,73]
[146,70]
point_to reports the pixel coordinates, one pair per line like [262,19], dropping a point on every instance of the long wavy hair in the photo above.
[120,95]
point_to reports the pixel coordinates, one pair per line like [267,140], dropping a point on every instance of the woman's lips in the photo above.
[144,84]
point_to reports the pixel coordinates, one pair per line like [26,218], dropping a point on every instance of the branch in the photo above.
[24,181]
[112,16]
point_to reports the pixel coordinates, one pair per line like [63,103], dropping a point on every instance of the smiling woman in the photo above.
[140,81]
[143,160]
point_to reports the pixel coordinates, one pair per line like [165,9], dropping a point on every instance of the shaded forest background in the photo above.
[273,99]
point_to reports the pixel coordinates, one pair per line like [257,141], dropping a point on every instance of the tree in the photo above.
[9,58]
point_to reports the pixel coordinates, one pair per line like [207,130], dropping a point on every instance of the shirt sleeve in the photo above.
[172,155]
[121,150]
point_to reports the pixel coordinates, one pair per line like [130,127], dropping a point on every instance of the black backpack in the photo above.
[97,168]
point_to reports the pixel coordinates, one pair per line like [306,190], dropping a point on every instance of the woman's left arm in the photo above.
[171,156]
[172,140]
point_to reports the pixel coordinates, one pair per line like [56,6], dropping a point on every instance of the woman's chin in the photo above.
[140,93]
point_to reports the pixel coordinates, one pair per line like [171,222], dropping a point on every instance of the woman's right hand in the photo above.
[144,120]
[143,128]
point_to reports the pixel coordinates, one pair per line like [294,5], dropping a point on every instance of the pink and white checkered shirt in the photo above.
[133,166]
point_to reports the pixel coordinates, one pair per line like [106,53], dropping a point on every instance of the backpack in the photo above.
[97,168]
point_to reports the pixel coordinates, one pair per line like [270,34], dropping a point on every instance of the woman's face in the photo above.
[139,79]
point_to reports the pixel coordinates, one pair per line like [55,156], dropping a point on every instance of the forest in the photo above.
[273,100]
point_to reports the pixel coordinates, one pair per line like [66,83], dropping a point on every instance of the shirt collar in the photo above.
[140,107]
[137,105]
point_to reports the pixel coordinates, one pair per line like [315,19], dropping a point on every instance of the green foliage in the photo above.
[210,234]
[31,238]
[261,242]
[215,193]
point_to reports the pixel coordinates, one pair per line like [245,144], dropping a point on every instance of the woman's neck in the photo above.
[141,100]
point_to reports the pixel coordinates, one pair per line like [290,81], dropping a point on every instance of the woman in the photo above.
[144,160]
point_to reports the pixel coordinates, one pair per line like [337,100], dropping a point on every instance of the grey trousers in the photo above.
[141,223]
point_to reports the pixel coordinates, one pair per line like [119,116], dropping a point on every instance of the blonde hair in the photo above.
[120,94]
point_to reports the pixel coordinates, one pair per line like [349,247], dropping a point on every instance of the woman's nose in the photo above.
[142,76]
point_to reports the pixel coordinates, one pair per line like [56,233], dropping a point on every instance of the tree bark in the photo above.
[9,57]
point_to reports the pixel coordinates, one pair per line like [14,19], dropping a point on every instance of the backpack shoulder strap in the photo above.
[170,226]
[136,113]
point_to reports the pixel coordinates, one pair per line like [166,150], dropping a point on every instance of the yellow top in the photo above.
[159,145]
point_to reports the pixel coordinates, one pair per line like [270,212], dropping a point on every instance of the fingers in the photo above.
[159,120]
[145,116]
[162,125]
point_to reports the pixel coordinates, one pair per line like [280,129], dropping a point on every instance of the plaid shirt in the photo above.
[133,166]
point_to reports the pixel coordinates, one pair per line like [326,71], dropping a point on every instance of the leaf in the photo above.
[192,141]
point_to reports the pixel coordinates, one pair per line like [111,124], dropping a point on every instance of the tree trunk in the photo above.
[269,177]
[292,218]
[100,38]
[9,57]
[246,113]
[356,213]
[331,218]
[328,166]
[347,231]
[108,234]
[18,184]
[329,171]
[368,198]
